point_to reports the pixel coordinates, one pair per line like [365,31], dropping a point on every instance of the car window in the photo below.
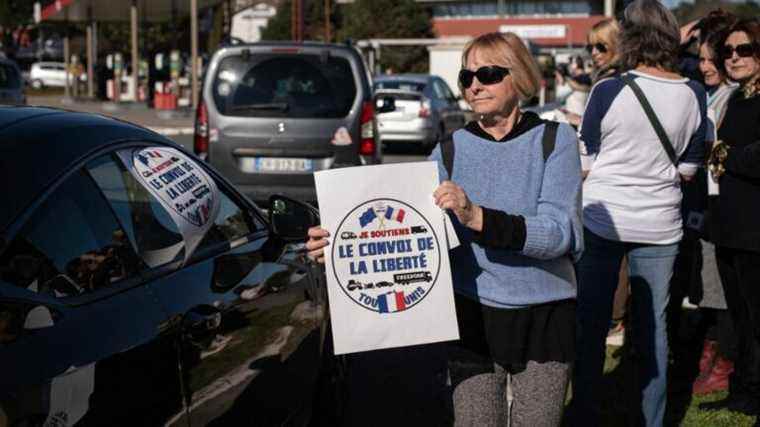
[231,223]
[9,78]
[148,226]
[400,85]
[294,86]
[72,244]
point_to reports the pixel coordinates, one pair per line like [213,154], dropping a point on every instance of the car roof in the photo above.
[38,145]
[276,43]
[417,78]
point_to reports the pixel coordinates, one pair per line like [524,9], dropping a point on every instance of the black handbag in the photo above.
[694,202]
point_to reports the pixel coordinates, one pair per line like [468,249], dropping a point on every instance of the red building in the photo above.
[546,23]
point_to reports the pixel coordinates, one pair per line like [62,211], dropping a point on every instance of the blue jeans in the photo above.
[650,269]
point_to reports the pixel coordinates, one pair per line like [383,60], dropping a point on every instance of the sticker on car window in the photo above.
[182,187]
[341,137]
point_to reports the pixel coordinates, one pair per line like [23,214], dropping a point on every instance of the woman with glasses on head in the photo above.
[514,199]
[635,160]
[735,220]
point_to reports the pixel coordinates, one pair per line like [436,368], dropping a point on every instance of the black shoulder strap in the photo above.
[628,80]
[549,138]
[447,155]
[547,141]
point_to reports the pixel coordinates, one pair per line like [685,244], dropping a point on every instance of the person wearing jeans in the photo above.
[650,268]
[631,204]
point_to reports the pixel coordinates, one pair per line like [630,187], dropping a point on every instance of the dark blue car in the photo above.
[115,312]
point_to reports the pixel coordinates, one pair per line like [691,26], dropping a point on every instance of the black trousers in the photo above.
[740,274]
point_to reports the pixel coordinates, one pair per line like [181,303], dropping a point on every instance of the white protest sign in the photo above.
[387,265]
[182,187]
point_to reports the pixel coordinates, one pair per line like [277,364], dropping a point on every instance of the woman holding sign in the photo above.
[512,188]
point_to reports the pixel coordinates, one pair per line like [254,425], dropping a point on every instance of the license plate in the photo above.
[277,164]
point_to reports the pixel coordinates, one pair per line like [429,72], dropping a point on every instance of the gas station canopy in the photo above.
[117,10]
[125,10]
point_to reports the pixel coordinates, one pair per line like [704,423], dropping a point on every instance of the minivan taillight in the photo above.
[424,109]
[367,144]
[200,142]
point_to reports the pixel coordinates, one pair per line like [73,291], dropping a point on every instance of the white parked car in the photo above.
[50,74]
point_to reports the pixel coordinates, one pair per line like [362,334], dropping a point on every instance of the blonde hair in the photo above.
[508,50]
[607,32]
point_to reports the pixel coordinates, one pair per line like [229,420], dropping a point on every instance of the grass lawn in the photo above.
[619,401]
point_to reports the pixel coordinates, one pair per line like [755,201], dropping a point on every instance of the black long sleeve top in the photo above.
[735,218]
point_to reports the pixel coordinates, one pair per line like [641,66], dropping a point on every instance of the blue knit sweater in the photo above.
[511,177]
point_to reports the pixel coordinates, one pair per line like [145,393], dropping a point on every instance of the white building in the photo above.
[248,23]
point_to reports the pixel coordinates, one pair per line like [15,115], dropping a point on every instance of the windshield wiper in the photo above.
[271,106]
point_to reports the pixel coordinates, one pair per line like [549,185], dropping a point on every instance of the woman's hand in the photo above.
[451,196]
[572,118]
[689,32]
[316,243]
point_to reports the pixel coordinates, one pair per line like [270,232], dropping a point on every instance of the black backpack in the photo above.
[548,140]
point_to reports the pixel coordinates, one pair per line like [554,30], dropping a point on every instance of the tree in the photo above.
[687,12]
[278,28]
[365,19]
[16,12]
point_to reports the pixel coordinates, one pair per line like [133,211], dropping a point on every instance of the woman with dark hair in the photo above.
[643,132]
[735,229]
[719,347]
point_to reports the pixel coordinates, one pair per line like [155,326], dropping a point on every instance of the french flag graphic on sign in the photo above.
[145,154]
[391,302]
[394,214]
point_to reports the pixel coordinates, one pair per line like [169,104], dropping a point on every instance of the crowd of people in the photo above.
[562,229]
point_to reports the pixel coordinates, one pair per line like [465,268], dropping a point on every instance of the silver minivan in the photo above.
[273,113]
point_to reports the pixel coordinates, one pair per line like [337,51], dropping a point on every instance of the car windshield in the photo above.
[9,78]
[297,86]
[400,85]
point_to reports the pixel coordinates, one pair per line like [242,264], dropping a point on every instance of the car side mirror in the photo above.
[385,104]
[291,219]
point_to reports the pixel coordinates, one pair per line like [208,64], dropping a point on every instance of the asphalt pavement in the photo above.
[179,124]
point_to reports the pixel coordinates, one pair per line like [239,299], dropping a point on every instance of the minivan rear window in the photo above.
[9,78]
[276,85]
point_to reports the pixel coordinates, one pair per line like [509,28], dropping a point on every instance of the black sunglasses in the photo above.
[600,47]
[744,50]
[489,75]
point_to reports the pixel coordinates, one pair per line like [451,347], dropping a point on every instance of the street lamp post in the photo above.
[194,48]
[135,54]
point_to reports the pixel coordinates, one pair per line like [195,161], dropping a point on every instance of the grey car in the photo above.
[426,111]
[11,83]
[272,114]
